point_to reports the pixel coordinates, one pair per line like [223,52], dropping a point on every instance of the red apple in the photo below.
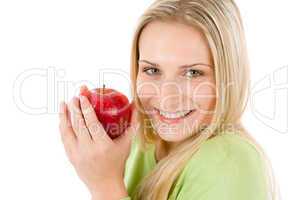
[112,108]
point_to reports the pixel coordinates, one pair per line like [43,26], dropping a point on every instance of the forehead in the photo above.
[173,41]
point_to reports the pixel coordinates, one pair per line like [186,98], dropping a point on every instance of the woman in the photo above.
[190,84]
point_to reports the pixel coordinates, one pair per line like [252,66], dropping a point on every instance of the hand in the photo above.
[98,160]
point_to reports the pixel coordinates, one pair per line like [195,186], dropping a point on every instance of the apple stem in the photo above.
[103,86]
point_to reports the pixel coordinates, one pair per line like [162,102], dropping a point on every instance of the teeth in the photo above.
[173,115]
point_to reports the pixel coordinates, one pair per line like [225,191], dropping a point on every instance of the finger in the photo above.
[85,91]
[83,88]
[78,122]
[64,115]
[134,115]
[95,127]
[134,122]
[132,130]
[67,134]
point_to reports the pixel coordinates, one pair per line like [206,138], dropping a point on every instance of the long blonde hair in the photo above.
[221,23]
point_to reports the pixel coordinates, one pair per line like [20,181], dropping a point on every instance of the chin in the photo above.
[169,135]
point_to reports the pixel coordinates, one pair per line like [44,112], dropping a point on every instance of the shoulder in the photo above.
[227,148]
[226,165]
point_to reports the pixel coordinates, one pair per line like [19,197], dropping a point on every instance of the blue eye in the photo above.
[151,70]
[191,73]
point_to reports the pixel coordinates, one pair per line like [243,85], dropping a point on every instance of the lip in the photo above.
[172,121]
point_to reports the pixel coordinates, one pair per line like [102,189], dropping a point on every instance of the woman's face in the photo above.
[175,81]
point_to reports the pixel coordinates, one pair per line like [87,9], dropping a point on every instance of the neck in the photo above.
[163,148]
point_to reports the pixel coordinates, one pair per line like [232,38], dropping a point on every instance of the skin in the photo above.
[163,84]
[100,161]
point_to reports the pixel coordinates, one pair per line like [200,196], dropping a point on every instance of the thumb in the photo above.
[131,131]
[124,141]
[127,137]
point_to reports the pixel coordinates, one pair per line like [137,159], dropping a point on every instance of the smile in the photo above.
[172,117]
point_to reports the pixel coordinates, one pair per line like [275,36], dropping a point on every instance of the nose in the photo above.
[171,96]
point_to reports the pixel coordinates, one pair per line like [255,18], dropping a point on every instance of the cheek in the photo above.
[146,90]
[204,96]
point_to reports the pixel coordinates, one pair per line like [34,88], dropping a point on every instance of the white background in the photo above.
[73,40]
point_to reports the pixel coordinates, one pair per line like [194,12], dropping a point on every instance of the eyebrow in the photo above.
[182,66]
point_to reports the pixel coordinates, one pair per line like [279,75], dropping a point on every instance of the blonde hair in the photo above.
[221,23]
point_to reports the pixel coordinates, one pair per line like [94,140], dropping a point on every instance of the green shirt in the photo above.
[226,167]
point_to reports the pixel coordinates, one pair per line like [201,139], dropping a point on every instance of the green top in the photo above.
[227,167]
